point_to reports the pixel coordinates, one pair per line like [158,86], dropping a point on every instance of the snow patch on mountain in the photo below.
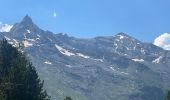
[33,40]
[143,51]
[81,55]
[68,53]
[100,60]
[64,51]
[48,62]
[38,35]
[138,60]
[27,43]
[163,41]
[121,36]
[28,31]
[157,60]
[7,38]
[15,41]
[69,66]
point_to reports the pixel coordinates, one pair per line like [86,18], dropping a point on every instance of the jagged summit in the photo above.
[125,37]
[27,19]
[121,35]
[24,25]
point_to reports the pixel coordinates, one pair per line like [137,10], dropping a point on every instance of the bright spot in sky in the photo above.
[54,15]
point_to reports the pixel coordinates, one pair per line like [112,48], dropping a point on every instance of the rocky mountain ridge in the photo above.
[102,68]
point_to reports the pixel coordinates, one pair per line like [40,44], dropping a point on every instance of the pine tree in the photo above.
[168,96]
[68,98]
[18,77]
[2,96]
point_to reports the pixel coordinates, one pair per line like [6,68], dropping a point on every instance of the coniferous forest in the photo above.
[18,77]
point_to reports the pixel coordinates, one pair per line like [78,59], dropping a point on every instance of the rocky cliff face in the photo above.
[118,67]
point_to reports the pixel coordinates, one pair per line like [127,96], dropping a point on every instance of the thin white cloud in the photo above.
[163,41]
[5,27]
[54,14]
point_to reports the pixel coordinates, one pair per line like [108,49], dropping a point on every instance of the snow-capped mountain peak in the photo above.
[25,26]
[123,37]
[81,65]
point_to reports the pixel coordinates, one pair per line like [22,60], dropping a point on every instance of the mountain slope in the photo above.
[102,68]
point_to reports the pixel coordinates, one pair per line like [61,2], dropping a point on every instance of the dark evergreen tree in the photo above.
[168,95]
[68,98]
[18,77]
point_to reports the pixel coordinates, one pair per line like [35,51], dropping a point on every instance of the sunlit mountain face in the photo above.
[116,67]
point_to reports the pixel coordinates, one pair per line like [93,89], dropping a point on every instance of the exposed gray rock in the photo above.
[118,67]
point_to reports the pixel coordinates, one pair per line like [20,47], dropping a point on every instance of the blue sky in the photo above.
[143,19]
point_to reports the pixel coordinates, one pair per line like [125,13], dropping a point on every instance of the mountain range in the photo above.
[117,67]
